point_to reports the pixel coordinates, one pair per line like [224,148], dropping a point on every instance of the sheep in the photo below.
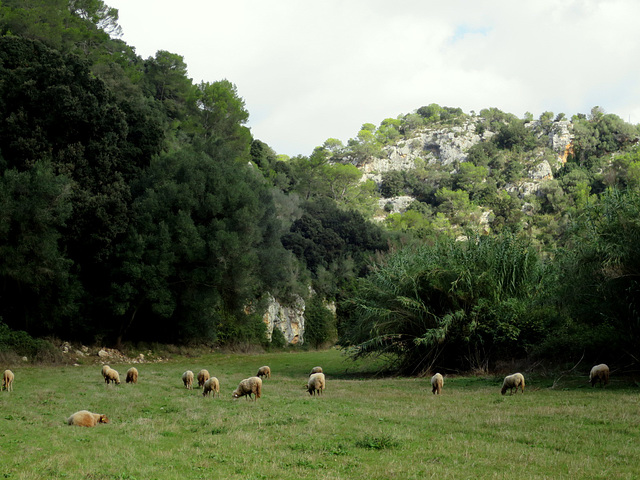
[212,385]
[104,370]
[187,378]
[316,384]
[132,375]
[437,381]
[264,372]
[249,386]
[316,370]
[85,418]
[513,381]
[7,380]
[203,376]
[599,374]
[112,376]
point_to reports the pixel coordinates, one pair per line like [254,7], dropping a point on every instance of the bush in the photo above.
[320,325]
[21,344]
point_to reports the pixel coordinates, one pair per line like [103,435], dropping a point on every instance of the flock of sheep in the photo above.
[252,387]
[598,374]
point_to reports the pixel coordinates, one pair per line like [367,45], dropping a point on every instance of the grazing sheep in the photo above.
[437,381]
[132,375]
[212,385]
[104,370]
[112,376]
[203,376]
[85,418]
[7,380]
[187,378]
[316,370]
[513,381]
[599,374]
[316,384]
[249,386]
[264,372]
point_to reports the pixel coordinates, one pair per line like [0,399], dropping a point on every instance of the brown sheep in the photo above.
[187,378]
[212,385]
[316,384]
[132,375]
[316,370]
[264,372]
[599,374]
[7,380]
[85,418]
[513,381]
[112,376]
[249,386]
[437,381]
[203,376]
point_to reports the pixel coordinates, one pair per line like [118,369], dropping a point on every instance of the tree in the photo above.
[599,281]
[452,304]
[167,81]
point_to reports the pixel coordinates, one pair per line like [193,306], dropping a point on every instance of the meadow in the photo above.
[363,427]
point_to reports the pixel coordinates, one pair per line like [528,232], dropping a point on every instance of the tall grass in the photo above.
[362,427]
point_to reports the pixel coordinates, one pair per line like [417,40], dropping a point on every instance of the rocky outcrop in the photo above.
[444,146]
[289,319]
[396,204]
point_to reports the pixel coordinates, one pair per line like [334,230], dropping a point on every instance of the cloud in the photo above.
[311,71]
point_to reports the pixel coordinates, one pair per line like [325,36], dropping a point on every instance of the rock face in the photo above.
[396,204]
[288,319]
[444,146]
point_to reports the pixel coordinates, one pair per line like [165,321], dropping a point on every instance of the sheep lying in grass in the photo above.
[187,378]
[112,376]
[437,381]
[316,370]
[7,380]
[599,374]
[212,385]
[316,384]
[264,372]
[513,381]
[132,375]
[104,370]
[85,418]
[203,376]
[249,386]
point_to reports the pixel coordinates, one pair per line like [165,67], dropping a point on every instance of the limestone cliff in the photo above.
[289,319]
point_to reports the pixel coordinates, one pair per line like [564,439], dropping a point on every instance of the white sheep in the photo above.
[249,386]
[316,384]
[112,376]
[212,385]
[513,381]
[599,374]
[7,380]
[187,378]
[316,370]
[264,371]
[437,381]
[203,376]
[132,375]
[104,370]
[85,418]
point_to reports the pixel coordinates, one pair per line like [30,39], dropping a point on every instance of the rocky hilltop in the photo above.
[448,146]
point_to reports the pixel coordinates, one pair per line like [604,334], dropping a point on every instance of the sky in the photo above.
[313,70]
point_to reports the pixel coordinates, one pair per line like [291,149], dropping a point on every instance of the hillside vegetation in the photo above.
[136,206]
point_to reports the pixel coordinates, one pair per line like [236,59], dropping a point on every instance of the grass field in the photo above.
[363,427]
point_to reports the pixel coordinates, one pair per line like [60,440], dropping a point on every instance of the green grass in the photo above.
[362,428]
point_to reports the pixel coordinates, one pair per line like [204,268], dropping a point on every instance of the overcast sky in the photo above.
[312,70]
